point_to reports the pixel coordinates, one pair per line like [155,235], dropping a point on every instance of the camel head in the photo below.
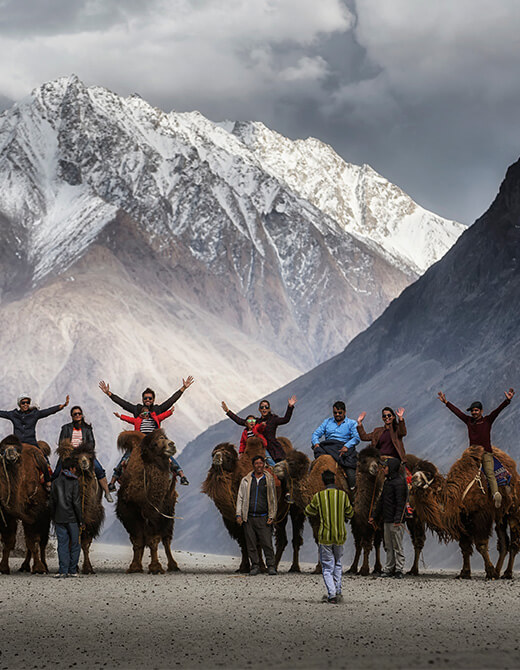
[224,456]
[369,461]
[157,447]
[10,449]
[294,466]
[423,475]
[84,456]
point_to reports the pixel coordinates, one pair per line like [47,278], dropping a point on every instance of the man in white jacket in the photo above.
[256,509]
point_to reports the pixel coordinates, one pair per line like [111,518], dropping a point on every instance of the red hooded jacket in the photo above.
[138,420]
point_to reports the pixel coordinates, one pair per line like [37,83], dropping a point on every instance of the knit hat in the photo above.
[23,396]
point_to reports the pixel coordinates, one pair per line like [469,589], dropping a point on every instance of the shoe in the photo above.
[73,574]
[497,497]
[60,575]
[398,575]
[288,499]
[108,497]
[332,601]
[255,570]
[339,597]
[386,574]
[272,571]
[184,481]
[111,487]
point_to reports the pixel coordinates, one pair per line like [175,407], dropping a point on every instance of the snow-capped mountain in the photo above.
[141,246]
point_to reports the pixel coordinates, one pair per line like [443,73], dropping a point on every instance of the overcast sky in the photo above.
[427,93]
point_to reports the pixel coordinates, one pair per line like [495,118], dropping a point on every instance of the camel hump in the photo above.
[286,443]
[10,440]
[505,459]
[129,439]
[64,448]
[44,447]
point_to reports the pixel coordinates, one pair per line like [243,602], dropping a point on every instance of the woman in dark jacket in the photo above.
[78,431]
[388,438]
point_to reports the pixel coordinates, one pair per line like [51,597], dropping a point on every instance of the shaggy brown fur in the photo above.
[91,495]
[469,519]
[147,497]
[10,469]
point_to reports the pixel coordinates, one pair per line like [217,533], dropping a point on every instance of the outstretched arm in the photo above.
[509,396]
[42,413]
[115,398]
[401,425]
[452,408]
[281,420]
[363,435]
[186,383]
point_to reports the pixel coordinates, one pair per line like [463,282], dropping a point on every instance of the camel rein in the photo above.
[166,516]
[478,479]
[8,483]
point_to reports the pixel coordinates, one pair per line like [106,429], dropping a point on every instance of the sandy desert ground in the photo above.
[208,616]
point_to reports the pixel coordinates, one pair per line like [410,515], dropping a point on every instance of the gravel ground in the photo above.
[208,616]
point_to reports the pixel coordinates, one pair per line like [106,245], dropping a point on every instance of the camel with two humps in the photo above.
[91,495]
[147,497]
[459,507]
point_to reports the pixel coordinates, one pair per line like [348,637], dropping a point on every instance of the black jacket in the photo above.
[65,501]
[88,433]
[24,423]
[137,409]
[394,495]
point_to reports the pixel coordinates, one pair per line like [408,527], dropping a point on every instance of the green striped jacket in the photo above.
[333,507]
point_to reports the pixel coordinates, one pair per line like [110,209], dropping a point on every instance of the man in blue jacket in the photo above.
[337,436]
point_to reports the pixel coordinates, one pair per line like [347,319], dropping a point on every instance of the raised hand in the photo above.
[400,412]
[442,397]
[361,417]
[65,403]
[187,382]
[224,407]
[292,401]
[104,387]
[509,394]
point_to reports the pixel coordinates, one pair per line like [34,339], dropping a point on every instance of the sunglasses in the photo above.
[25,402]
[148,397]
[77,414]
[388,416]
[264,407]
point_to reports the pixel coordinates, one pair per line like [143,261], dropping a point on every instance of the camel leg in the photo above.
[378,567]
[155,567]
[366,545]
[466,548]
[353,570]
[298,520]
[514,547]
[33,546]
[137,562]
[482,548]
[280,534]
[26,565]
[87,568]
[172,563]
[418,534]
[502,544]
[9,542]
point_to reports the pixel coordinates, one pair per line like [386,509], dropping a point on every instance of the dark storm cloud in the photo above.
[426,93]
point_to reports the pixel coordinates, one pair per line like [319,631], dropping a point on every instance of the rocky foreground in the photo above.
[209,616]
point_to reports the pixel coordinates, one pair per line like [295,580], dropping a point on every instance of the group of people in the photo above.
[256,506]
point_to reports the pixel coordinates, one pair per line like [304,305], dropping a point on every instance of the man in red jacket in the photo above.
[479,432]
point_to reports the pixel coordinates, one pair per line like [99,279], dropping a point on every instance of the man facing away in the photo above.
[333,507]
[65,507]
[339,437]
[479,433]
[256,509]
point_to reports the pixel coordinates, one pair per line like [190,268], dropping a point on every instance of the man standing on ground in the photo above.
[256,509]
[479,432]
[392,504]
[333,507]
[340,437]
[65,507]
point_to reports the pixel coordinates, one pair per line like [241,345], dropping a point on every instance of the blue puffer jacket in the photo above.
[24,423]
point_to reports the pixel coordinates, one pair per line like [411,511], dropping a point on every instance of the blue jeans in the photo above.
[330,558]
[69,548]
[118,470]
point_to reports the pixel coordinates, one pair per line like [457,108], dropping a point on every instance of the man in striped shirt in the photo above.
[333,507]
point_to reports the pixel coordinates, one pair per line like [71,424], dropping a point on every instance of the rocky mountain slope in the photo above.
[456,329]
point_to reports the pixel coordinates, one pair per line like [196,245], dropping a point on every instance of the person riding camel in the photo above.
[144,423]
[388,438]
[479,433]
[254,428]
[24,420]
[340,438]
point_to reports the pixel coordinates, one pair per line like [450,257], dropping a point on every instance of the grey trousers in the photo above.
[393,540]
[258,532]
